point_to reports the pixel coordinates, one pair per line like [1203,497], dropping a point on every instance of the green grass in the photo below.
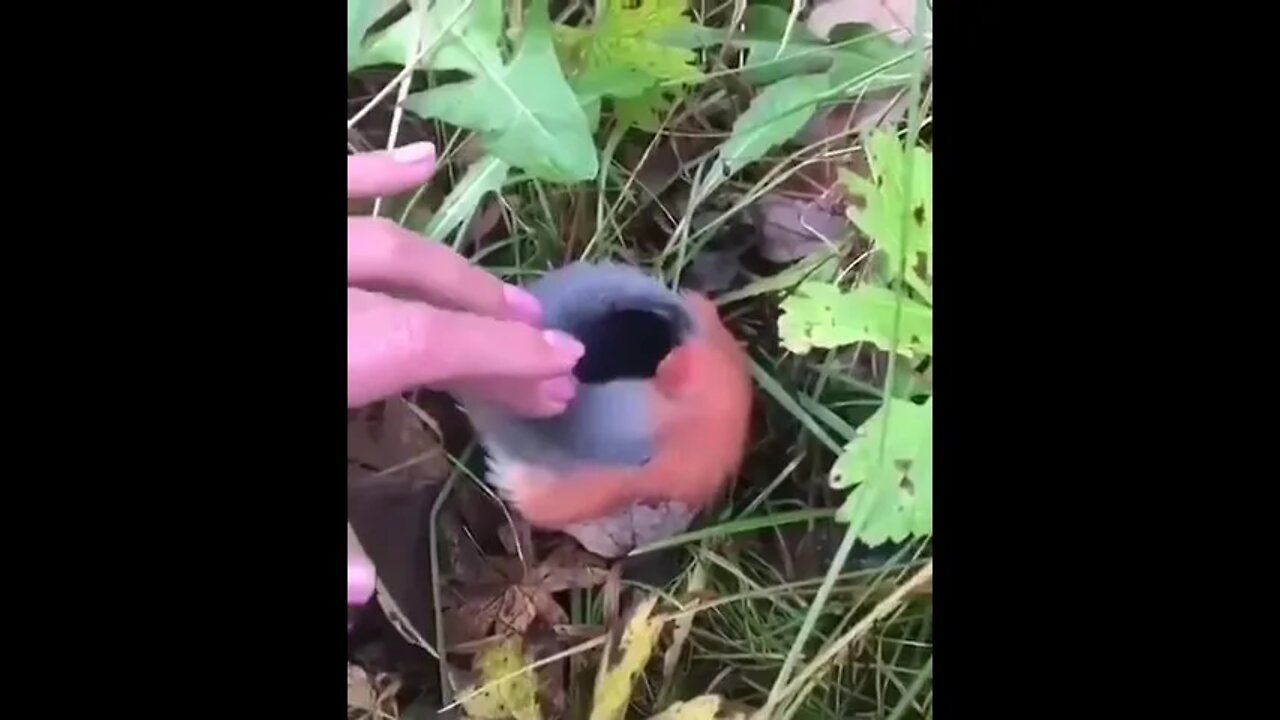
[787,590]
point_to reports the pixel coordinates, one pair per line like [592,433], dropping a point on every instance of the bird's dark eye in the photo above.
[623,344]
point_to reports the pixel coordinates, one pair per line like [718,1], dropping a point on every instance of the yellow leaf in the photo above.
[703,707]
[624,659]
[516,697]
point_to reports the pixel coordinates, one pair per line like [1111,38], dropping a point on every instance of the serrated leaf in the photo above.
[484,176]
[466,37]
[775,116]
[628,36]
[893,493]
[821,315]
[624,57]
[703,707]
[516,697]
[625,657]
[897,218]
[525,112]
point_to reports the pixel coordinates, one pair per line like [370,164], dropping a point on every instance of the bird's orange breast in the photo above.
[702,413]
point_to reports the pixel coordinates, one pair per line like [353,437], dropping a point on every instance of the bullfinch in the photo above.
[656,430]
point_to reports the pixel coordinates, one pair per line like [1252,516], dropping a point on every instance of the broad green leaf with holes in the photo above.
[625,657]
[775,116]
[892,494]
[485,175]
[820,315]
[515,698]
[897,217]
[525,112]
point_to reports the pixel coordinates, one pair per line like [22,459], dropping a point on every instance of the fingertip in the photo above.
[566,347]
[522,305]
[361,581]
[423,153]
[381,173]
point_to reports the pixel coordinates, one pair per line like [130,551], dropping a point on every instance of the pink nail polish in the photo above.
[522,305]
[559,390]
[565,345]
[414,153]
[360,581]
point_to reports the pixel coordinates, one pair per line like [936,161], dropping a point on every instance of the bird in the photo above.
[659,425]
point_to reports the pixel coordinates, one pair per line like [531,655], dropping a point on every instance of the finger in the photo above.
[395,345]
[381,253]
[360,580]
[526,398]
[387,173]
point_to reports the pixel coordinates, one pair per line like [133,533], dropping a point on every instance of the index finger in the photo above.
[380,173]
[379,252]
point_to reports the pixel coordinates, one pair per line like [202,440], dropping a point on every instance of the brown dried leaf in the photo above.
[390,443]
[519,599]
[517,612]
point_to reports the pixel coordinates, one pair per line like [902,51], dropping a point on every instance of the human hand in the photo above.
[419,315]
[449,325]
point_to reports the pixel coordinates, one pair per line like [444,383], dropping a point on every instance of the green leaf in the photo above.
[775,116]
[893,494]
[485,175]
[768,60]
[525,113]
[820,315]
[361,15]
[862,50]
[627,36]
[466,38]
[624,57]
[899,219]
[614,81]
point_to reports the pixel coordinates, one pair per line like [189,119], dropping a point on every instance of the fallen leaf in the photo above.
[515,599]
[625,656]
[638,525]
[390,444]
[703,707]
[395,470]
[516,697]
[371,697]
[793,228]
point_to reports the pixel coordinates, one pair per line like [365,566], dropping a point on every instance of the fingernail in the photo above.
[565,345]
[559,390]
[360,581]
[524,306]
[413,153]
